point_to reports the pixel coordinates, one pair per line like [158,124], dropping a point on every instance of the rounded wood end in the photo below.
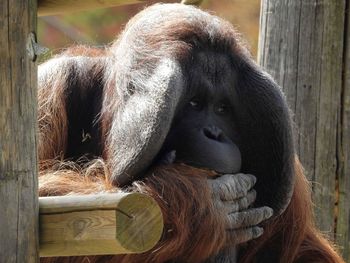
[139,222]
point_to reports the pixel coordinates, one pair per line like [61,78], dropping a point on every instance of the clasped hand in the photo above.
[233,195]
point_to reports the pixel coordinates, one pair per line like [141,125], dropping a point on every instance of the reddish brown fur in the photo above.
[194,228]
[293,235]
[52,121]
[189,233]
[52,115]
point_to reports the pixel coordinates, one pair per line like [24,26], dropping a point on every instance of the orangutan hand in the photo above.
[233,195]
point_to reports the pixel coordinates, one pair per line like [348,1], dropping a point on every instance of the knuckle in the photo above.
[232,221]
[262,213]
[240,236]
[251,196]
[244,234]
[247,180]
[226,177]
[268,212]
[240,218]
[244,202]
[252,178]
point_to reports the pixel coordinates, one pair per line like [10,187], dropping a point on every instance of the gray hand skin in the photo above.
[233,194]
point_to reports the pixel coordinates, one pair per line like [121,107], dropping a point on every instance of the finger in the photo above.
[250,217]
[244,234]
[240,204]
[232,186]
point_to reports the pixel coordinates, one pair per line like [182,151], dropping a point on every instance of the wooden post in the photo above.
[18,154]
[301,45]
[343,220]
[99,224]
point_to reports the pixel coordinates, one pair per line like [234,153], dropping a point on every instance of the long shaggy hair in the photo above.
[84,110]
[289,238]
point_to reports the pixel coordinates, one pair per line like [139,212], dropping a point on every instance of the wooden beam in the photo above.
[54,7]
[18,153]
[100,224]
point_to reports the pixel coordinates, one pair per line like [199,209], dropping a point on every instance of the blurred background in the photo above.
[101,26]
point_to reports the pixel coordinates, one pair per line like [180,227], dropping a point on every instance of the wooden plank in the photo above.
[301,45]
[73,203]
[343,219]
[99,224]
[54,7]
[18,155]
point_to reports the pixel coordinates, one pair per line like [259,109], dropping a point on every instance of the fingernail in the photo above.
[258,231]
[254,178]
[269,212]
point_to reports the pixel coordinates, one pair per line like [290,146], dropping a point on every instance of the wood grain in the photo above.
[301,45]
[343,219]
[99,224]
[18,154]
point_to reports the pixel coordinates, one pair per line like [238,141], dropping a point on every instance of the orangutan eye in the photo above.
[222,109]
[195,103]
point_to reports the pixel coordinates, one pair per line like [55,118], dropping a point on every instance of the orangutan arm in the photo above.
[202,216]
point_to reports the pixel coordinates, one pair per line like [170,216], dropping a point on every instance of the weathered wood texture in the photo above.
[301,45]
[343,223]
[99,224]
[54,7]
[18,155]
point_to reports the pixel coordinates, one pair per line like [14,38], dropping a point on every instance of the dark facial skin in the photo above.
[204,133]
